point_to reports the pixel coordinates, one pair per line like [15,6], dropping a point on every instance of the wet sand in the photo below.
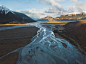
[12,39]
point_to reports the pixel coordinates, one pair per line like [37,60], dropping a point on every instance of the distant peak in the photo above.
[4,9]
[49,16]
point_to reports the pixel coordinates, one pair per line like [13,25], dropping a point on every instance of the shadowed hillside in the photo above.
[77,31]
[10,17]
[16,18]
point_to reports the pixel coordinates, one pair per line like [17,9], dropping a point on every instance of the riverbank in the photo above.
[12,39]
[75,32]
[72,41]
[10,24]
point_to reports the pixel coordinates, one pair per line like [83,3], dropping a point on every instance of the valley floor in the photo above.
[10,24]
[15,38]
[12,39]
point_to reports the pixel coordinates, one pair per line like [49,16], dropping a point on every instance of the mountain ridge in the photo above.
[11,17]
[5,10]
[68,17]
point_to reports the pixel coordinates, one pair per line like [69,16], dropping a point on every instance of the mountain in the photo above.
[71,17]
[48,18]
[8,16]
[68,17]
[44,19]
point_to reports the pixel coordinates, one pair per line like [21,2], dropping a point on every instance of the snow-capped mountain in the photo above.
[4,10]
[12,17]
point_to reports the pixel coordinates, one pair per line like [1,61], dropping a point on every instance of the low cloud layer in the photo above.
[36,14]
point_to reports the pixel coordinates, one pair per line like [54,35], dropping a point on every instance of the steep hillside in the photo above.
[77,31]
[8,16]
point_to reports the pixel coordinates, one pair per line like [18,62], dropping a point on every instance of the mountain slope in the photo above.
[48,18]
[77,31]
[8,16]
[69,17]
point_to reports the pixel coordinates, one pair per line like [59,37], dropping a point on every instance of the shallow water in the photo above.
[16,26]
[45,48]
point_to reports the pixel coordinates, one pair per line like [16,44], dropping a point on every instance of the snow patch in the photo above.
[5,10]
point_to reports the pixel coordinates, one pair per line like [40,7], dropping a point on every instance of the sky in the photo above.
[41,8]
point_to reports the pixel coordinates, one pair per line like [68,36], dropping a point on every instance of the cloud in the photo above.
[55,8]
[33,10]
[55,5]
[36,14]
[75,0]
[78,6]
[17,10]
